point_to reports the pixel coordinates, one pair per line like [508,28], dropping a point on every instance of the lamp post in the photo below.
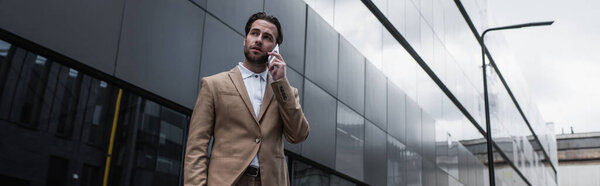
[485,92]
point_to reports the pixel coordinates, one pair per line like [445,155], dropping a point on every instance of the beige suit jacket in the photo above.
[223,110]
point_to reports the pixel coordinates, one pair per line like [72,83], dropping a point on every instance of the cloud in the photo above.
[560,63]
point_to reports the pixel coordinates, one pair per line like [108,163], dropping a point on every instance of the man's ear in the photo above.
[244,43]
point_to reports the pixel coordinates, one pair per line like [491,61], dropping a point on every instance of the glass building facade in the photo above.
[392,89]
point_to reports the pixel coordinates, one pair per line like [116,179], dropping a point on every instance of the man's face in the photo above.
[259,41]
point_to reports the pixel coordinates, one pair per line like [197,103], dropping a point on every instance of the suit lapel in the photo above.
[266,98]
[236,78]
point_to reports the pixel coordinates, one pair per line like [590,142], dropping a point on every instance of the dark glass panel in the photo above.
[234,12]
[27,101]
[12,181]
[149,144]
[397,163]
[321,59]
[306,175]
[99,112]
[66,101]
[11,69]
[351,76]
[349,142]
[56,174]
[337,181]
[320,110]
[396,112]
[91,176]
[375,155]
[414,168]
[375,96]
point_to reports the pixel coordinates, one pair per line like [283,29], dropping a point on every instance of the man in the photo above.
[237,108]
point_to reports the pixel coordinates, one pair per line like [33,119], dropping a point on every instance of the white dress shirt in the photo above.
[255,86]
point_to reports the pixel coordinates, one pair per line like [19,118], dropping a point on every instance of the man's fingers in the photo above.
[277,55]
[279,64]
[272,66]
[275,64]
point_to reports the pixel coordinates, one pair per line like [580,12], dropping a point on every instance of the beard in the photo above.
[255,59]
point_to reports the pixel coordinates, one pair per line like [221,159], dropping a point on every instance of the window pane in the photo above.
[375,155]
[66,101]
[11,69]
[349,142]
[321,53]
[4,47]
[56,174]
[320,109]
[91,176]
[99,111]
[306,175]
[71,113]
[337,181]
[27,100]
[149,148]
[396,162]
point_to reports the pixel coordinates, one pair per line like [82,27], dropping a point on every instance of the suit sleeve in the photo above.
[200,131]
[295,126]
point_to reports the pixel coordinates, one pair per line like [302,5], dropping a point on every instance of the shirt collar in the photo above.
[247,73]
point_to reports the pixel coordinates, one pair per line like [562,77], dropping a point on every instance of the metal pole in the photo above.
[488,127]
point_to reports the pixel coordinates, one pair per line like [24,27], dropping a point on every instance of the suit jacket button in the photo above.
[257,140]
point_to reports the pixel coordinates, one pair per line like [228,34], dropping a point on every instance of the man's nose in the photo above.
[258,41]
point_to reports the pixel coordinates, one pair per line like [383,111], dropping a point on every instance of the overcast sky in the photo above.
[561,63]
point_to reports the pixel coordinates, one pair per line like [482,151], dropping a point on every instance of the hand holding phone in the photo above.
[276,67]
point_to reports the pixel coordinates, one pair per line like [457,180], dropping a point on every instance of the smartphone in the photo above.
[276,50]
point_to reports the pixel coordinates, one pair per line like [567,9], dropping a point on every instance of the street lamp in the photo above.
[485,92]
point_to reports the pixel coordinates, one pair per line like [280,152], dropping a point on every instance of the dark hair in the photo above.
[268,18]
